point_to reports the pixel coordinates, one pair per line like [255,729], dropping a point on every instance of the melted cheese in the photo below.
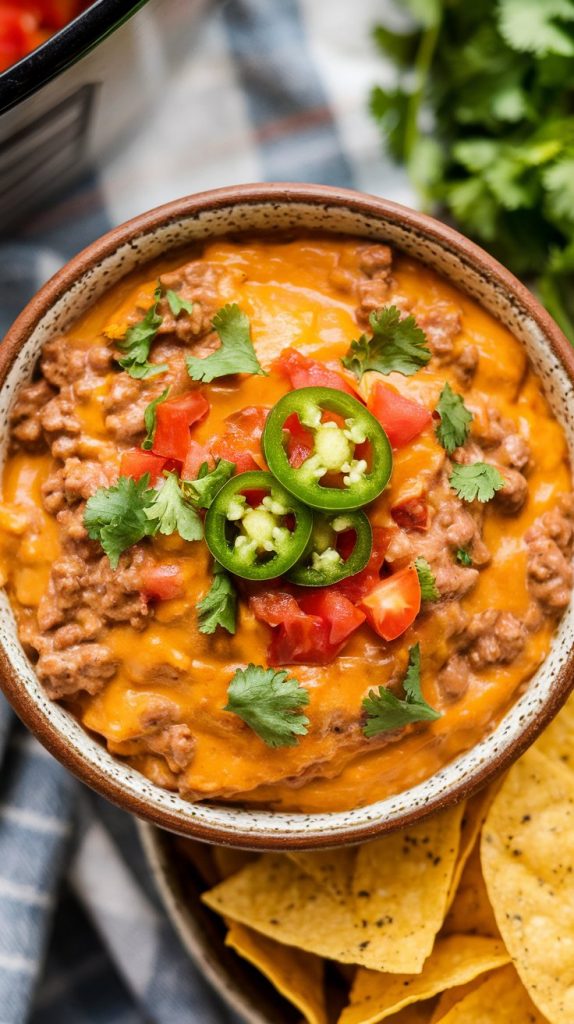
[285,290]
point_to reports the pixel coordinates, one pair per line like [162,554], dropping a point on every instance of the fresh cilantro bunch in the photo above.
[482,113]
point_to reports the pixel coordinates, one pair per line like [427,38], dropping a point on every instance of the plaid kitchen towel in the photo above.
[271,89]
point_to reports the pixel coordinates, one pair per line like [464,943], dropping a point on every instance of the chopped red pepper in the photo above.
[401,418]
[303,372]
[174,417]
[135,462]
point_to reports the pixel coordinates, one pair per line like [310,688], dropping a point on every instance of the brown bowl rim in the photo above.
[189,206]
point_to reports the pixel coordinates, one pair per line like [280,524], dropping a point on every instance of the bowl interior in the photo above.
[263,210]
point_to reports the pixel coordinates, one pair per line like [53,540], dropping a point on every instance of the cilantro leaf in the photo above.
[269,702]
[219,606]
[235,354]
[389,108]
[386,712]
[397,345]
[177,304]
[490,84]
[170,512]
[203,490]
[455,418]
[463,557]
[150,418]
[429,589]
[116,516]
[138,341]
[476,482]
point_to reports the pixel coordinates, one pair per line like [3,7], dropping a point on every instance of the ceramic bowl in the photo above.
[180,880]
[268,208]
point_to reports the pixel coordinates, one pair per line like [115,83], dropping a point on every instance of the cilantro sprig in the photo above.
[116,516]
[219,606]
[138,341]
[455,419]
[384,711]
[270,703]
[121,515]
[429,589]
[170,512]
[481,111]
[477,482]
[209,482]
[235,354]
[396,345]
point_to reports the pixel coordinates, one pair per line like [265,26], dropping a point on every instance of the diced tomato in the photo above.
[197,454]
[300,442]
[357,586]
[248,422]
[309,629]
[401,418]
[341,616]
[135,462]
[162,582]
[241,441]
[232,450]
[174,417]
[412,514]
[303,372]
[393,605]
[274,607]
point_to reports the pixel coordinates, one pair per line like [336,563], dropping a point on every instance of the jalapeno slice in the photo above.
[328,558]
[255,528]
[350,458]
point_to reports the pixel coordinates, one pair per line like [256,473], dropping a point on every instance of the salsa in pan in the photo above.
[286,522]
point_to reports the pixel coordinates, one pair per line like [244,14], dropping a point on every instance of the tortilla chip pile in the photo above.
[465,918]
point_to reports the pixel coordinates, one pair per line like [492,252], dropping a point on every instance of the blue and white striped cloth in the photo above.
[274,90]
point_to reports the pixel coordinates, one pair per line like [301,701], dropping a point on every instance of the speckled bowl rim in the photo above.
[356,214]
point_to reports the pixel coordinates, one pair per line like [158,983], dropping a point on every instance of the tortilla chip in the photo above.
[276,898]
[557,740]
[473,819]
[333,869]
[416,1013]
[452,996]
[501,999]
[527,854]
[453,961]
[296,975]
[229,861]
[401,886]
[471,912]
